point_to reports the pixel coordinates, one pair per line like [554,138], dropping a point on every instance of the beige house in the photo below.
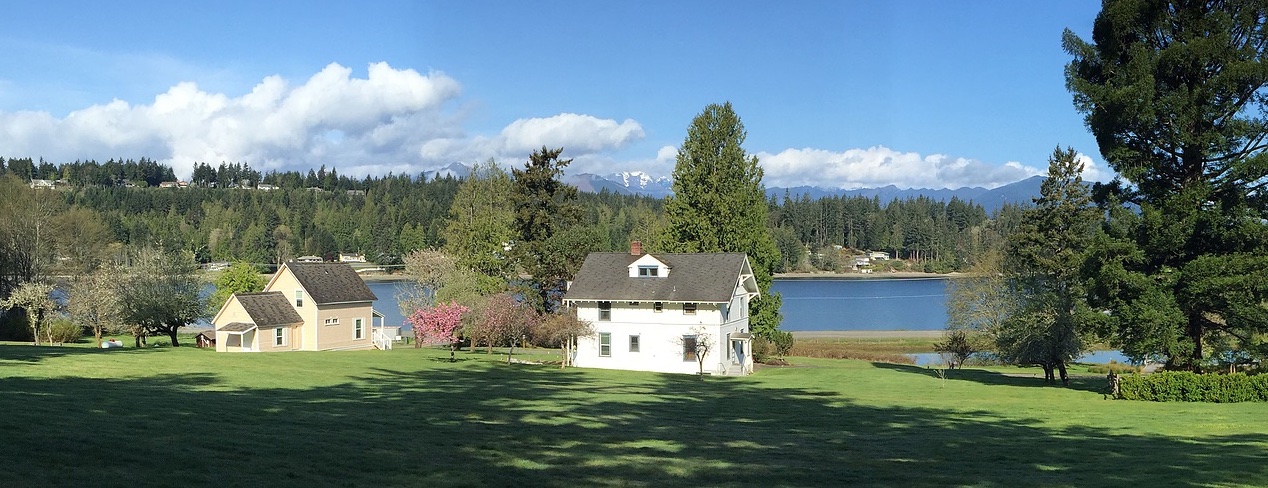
[304,307]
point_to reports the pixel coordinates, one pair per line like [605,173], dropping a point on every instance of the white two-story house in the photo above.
[650,310]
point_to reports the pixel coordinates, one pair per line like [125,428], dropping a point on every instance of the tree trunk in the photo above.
[451,349]
[1048,376]
[1065,379]
[137,338]
[172,333]
[1195,334]
[510,352]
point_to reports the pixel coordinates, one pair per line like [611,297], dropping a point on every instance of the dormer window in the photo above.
[648,271]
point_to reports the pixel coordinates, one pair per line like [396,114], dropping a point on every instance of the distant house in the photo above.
[355,193]
[878,256]
[309,259]
[650,310]
[265,187]
[169,184]
[304,307]
[43,184]
[351,258]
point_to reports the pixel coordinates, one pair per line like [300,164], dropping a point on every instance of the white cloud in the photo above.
[577,134]
[880,166]
[333,118]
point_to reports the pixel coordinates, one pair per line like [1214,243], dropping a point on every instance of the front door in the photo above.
[738,347]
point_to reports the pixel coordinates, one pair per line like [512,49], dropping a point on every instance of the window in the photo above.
[279,338]
[688,348]
[332,321]
[299,298]
[356,329]
[605,344]
[688,309]
[632,304]
[605,310]
[658,307]
[647,271]
[633,343]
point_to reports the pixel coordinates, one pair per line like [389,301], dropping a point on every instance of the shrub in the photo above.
[1113,367]
[782,341]
[1183,386]
[63,330]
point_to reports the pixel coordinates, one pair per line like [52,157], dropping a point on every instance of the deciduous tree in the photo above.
[437,324]
[95,302]
[161,293]
[33,297]
[240,277]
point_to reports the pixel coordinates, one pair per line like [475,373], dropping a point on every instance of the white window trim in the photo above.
[636,343]
[299,298]
[658,307]
[693,308]
[358,329]
[608,310]
[332,321]
[279,337]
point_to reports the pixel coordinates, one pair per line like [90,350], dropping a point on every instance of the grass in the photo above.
[78,416]
[891,350]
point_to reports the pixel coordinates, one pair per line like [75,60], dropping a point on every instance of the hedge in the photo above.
[1183,386]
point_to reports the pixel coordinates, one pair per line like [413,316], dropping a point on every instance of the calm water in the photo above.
[863,304]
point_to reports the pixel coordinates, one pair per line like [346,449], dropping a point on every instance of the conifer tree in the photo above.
[719,205]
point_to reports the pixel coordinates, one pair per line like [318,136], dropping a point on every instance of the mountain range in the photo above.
[640,183]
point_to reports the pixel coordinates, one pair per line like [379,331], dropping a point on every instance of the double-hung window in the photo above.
[299,298]
[688,348]
[648,271]
[605,311]
[279,337]
[357,332]
[688,309]
[605,344]
[633,343]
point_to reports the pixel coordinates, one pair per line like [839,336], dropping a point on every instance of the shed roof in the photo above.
[696,277]
[237,327]
[269,308]
[331,282]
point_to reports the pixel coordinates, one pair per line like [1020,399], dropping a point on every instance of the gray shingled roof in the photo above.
[331,282]
[237,327]
[269,309]
[694,277]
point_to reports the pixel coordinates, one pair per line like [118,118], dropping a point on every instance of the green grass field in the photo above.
[78,416]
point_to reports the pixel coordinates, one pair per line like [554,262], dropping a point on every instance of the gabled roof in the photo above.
[697,277]
[331,282]
[268,309]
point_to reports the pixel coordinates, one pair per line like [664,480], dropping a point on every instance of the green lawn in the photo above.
[78,416]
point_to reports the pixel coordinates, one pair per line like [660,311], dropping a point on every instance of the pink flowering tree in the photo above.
[437,325]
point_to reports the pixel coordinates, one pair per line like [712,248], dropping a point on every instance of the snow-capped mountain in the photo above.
[643,183]
[453,170]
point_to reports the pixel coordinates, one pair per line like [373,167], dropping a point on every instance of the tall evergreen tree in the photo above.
[479,226]
[546,212]
[1044,265]
[719,205]
[1174,92]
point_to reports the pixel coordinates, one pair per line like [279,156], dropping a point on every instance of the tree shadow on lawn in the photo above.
[28,353]
[1094,384]
[486,424]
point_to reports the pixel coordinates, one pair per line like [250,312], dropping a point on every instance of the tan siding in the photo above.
[232,311]
[341,336]
[286,283]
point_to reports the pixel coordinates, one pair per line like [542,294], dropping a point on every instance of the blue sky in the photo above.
[836,94]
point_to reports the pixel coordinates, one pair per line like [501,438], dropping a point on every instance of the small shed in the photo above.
[206,338]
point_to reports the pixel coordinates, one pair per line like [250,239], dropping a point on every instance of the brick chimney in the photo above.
[636,248]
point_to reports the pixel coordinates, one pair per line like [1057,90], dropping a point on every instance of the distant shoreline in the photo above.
[866,276]
[867,334]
